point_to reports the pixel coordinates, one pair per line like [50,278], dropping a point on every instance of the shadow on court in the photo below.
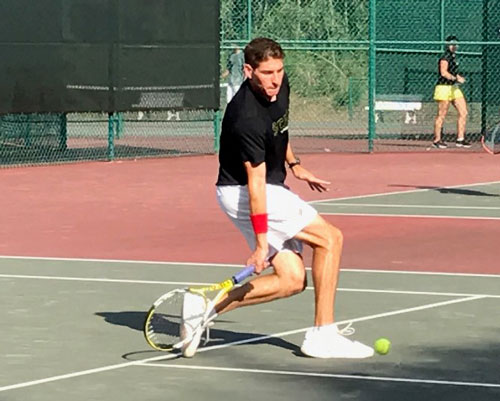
[442,190]
[135,320]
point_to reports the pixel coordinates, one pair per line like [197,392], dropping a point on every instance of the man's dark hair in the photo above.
[451,38]
[261,49]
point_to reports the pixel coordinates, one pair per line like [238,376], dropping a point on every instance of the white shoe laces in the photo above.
[347,330]
[206,326]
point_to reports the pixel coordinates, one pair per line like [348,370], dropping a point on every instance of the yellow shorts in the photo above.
[447,92]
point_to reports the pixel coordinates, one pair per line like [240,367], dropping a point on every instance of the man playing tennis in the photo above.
[275,222]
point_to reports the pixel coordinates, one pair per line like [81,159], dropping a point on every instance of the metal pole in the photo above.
[249,19]
[217,122]
[442,25]
[63,135]
[111,137]
[119,124]
[349,91]
[371,76]
[484,68]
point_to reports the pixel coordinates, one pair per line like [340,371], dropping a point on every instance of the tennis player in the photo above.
[446,92]
[254,154]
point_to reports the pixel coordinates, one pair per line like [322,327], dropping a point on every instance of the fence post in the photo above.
[484,68]
[442,22]
[63,135]
[119,124]
[217,122]
[249,19]
[349,92]
[371,75]
[111,137]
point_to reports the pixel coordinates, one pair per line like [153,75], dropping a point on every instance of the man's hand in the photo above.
[460,79]
[315,183]
[259,259]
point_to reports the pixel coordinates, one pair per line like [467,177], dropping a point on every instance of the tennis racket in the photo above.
[162,327]
[491,140]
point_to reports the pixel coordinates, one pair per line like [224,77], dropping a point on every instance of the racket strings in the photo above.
[165,323]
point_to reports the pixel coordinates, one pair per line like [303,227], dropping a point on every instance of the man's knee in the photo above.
[294,283]
[335,238]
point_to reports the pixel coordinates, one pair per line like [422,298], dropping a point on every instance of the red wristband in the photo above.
[259,223]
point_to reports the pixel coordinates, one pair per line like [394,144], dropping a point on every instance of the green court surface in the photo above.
[480,201]
[71,329]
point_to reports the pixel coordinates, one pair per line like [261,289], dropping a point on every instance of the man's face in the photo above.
[267,77]
[453,47]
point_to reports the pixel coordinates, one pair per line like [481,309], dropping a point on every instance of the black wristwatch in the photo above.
[296,162]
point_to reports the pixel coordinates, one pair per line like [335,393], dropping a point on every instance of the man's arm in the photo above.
[302,174]
[290,156]
[258,212]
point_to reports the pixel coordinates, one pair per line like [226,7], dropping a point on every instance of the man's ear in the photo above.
[248,71]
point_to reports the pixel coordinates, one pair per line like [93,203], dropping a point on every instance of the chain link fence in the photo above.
[362,75]
[326,49]
[409,42]
[363,72]
[57,138]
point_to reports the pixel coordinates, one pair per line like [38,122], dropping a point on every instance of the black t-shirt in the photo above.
[254,130]
[450,57]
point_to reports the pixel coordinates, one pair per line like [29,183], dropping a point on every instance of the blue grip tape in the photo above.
[243,274]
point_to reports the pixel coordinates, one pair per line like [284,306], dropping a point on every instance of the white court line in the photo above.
[412,206]
[193,283]
[422,216]
[422,273]
[102,280]
[205,349]
[402,292]
[175,264]
[325,375]
[355,320]
[84,373]
[124,261]
[411,191]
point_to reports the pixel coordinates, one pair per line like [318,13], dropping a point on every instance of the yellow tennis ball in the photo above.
[382,346]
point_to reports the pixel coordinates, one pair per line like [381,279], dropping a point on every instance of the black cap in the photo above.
[451,39]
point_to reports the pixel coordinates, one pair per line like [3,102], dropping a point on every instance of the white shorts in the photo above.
[287,215]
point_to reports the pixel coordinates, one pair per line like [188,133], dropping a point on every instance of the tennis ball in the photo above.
[382,346]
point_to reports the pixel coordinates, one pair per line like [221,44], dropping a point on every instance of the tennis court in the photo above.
[478,201]
[75,296]
[72,328]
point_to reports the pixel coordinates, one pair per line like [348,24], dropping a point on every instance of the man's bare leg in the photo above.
[326,241]
[288,278]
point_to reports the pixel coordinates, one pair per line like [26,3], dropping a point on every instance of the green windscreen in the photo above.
[108,55]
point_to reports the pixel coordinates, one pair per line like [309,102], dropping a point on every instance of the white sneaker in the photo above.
[328,342]
[193,312]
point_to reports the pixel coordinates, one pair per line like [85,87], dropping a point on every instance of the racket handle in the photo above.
[243,274]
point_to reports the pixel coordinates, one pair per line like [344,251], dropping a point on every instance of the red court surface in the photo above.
[165,210]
